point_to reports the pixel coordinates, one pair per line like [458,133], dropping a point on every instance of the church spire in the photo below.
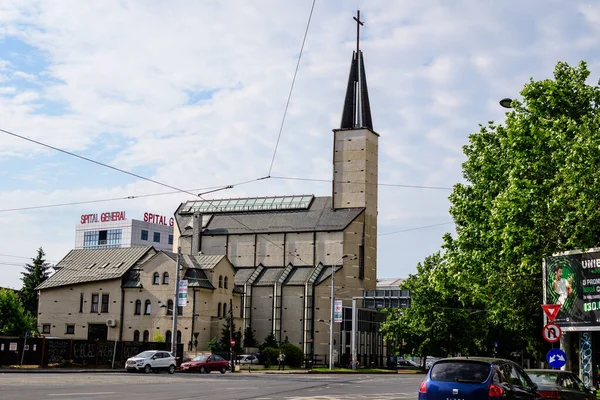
[357,111]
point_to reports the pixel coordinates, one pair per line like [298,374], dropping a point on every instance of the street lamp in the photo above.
[506,102]
[176,306]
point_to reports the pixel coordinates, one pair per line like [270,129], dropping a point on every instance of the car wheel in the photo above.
[147,368]
[223,370]
[171,369]
[202,370]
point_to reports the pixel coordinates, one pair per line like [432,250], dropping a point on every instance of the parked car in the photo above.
[205,364]
[557,384]
[247,359]
[152,361]
[477,378]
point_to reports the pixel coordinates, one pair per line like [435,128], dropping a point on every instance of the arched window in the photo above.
[178,336]
[156,278]
[225,282]
[224,310]
[146,336]
[166,278]
[170,307]
[168,337]
[136,336]
[147,307]
[138,307]
[220,281]
[179,310]
[219,311]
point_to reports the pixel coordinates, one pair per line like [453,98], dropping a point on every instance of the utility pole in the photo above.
[231,341]
[175,306]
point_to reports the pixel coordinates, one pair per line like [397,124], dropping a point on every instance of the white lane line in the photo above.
[81,394]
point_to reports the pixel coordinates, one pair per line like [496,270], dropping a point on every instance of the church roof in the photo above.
[357,110]
[91,265]
[319,216]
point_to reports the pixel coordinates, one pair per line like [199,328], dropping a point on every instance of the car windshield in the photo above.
[200,358]
[543,378]
[145,354]
[460,371]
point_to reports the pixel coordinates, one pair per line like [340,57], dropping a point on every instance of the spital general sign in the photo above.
[158,219]
[103,217]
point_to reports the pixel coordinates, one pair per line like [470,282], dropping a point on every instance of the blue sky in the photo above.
[192,93]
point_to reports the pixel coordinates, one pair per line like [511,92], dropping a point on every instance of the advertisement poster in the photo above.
[337,311]
[182,293]
[573,281]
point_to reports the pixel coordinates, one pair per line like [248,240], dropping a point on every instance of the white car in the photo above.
[152,361]
[247,359]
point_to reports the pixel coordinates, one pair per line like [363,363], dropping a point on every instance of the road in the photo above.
[258,386]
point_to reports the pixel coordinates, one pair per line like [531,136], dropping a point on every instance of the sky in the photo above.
[192,94]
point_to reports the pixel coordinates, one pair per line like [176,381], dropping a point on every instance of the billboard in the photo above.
[573,280]
[337,311]
[182,293]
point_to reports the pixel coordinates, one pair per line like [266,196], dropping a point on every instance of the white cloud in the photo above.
[192,94]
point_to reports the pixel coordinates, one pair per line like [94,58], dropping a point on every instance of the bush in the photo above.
[269,355]
[294,356]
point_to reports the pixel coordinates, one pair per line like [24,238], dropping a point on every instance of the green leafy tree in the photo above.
[294,356]
[13,318]
[158,337]
[227,335]
[35,273]
[214,345]
[269,356]
[270,341]
[249,338]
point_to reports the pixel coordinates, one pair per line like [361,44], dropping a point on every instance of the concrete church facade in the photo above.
[268,260]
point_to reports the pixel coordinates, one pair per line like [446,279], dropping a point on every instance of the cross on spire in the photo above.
[358,25]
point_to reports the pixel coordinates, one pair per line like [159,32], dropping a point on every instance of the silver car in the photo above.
[152,361]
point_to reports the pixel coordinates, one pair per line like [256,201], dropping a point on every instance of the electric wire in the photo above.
[417,228]
[366,183]
[287,104]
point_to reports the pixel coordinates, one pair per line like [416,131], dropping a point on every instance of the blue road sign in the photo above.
[556,358]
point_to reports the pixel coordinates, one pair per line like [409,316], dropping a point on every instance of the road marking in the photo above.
[81,394]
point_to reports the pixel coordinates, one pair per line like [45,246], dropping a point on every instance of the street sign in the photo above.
[551,333]
[337,311]
[556,358]
[232,342]
[551,311]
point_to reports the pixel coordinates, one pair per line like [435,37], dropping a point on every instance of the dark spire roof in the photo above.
[357,110]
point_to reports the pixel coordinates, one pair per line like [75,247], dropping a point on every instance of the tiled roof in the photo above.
[242,275]
[90,265]
[202,261]
[269,276]
[299,276]
[319,217]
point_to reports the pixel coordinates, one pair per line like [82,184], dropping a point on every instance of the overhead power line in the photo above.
[415,229]
[287,104]
[365,183]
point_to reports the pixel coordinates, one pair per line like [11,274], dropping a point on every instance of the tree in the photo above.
[227,335]
[531,190]
[158,337]
[13,318]
[249,338]
[35,274]
[270,341]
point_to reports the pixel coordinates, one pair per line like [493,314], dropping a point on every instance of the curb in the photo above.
[56,371]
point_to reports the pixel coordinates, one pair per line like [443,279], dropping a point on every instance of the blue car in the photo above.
[477,378]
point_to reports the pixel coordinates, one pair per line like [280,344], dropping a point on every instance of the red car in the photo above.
[205,364]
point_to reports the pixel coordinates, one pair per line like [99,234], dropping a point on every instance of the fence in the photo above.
[61,352]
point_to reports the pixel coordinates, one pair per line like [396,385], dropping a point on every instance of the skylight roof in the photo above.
[249,204]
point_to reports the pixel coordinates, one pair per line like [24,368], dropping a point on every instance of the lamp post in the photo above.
[175,307]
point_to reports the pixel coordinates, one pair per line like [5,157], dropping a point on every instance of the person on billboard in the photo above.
[562,286]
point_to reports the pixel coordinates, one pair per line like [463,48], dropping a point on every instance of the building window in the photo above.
[169,308]
[110,238]
[179,310]
[224,310]
[170,239]
[156,237]
[105,297]
[136,336]
[70,330]
[166,278]
[146,336]
[219,311]
[144,235]
[225,282]
[138,307]
[220,281]
[147,307]
[168,337]
[95,301]
[361,262]
[81,302]
[156,278]
[178,336]
[46,328]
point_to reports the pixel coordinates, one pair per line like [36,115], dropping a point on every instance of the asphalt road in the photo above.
[212,386]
